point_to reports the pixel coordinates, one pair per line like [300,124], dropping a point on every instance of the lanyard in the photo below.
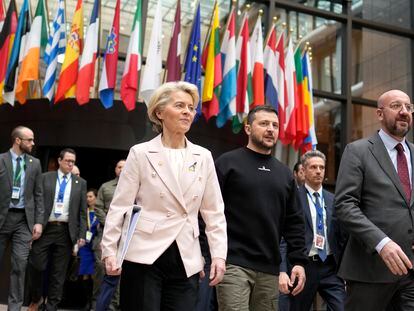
[22,167]
[319,211]
[62,188]
[89,219]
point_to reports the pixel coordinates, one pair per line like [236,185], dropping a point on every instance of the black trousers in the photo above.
[397,296]
[321,278]
[56,242]
[160,286]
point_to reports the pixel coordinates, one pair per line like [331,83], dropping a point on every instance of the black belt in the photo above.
[16,210]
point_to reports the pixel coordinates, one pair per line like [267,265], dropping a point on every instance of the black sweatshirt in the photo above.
[260,198]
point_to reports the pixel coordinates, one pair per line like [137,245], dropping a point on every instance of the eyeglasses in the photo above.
[69,161]
[398,106]
[27,139]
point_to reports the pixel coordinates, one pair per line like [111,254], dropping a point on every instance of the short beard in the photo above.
[259,144]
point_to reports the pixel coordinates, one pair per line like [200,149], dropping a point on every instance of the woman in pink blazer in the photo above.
[172,180]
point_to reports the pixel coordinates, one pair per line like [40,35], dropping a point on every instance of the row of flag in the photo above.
[240,72]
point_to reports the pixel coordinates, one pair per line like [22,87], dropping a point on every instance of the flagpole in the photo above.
[211,26]
[98,56]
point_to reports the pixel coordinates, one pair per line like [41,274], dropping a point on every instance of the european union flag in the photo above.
[192,65]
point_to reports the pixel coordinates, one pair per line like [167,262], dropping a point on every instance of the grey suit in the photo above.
[17,227]
[57,236]
[371,203]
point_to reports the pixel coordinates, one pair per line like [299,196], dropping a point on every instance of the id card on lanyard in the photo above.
[89,233]
[319,239]
[61,194]
[17,176]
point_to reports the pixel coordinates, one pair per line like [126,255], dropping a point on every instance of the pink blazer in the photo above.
[169,209]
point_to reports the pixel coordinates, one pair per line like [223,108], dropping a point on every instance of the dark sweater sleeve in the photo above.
[294,229]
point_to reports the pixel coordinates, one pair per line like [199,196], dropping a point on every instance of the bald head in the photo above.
[389,96]
[395,113]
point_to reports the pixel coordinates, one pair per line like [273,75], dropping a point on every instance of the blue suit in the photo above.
[320,276]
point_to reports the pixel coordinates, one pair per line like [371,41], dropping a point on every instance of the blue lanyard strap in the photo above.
[62,188]
[319,209]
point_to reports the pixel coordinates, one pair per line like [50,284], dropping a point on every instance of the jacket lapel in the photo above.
[328,210]
[306,207]
[9,166]
[380,153]
[73,191]
[192,163]
[28,162]
[51,185]
[411,147]
[159,163]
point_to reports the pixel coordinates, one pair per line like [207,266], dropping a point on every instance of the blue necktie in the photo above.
[61,193]
[320,228]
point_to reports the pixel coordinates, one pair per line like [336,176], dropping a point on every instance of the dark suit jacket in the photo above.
[33,199]
[336,236]
[371,204]
[77,204]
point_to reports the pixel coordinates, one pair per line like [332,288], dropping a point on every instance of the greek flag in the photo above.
[56,45]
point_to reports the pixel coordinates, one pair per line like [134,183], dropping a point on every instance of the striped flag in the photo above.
[130,78]
[192,64]
[69,72]
[55,46]
[151,78]
[108,76]
[292,98]
[281,87]
[86,76]
[229,84]
[256,44]
[173,63]
[6,42]
[35,45]
[211,61]
[244,96]
[23,28]
[310,141]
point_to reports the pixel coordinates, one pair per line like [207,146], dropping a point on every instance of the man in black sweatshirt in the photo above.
[259,193]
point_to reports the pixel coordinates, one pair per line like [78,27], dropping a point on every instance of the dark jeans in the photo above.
[163,285]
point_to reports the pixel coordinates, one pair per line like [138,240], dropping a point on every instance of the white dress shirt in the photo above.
[64,217]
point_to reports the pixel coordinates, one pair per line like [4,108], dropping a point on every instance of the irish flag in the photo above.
[130,78]
[69,73]
[36,40]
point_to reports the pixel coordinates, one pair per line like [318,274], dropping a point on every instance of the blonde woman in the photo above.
[172,180]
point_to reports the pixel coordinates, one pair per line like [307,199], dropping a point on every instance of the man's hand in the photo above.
[298,272]
[37,231]
[284,283]
[218,267]
[110,266]
[81,242]
[395,259]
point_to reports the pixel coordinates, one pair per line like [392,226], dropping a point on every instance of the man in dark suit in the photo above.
[374,200]
[324,241]
[21,207]
[65,227]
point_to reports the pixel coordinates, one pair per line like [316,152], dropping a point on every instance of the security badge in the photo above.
[59,208]
[15,193]
[319,241]
[88,236]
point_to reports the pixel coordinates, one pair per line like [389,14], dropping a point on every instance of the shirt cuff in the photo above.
[381,244]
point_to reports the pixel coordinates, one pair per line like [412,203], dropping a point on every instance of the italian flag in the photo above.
[130,77]
[36,40]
